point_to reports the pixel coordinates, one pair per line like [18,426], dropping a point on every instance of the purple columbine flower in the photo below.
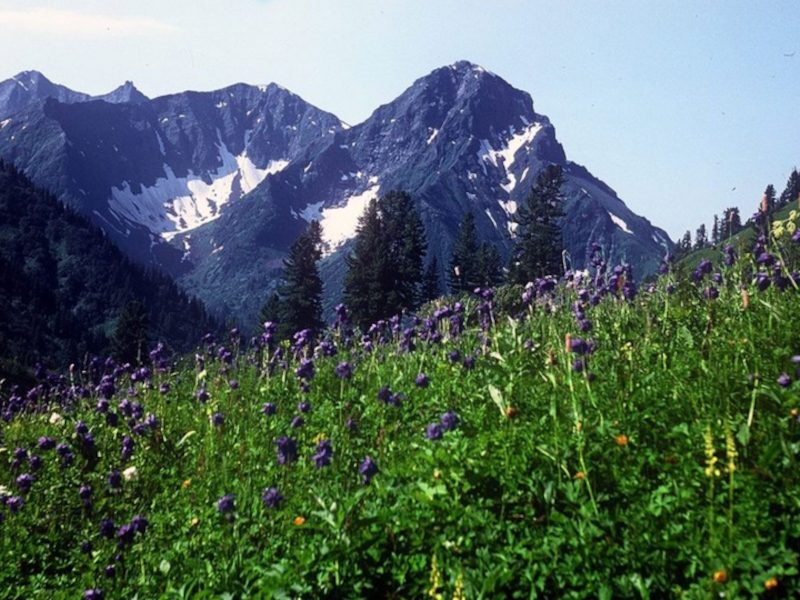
[298,421]
[287,450]
[86,547]
[449,420]
[454,356]
[93,594]
[115,480]
[368,470]
[85,492]
[139,524]
[304,407]
[324,454]
[226,504]
[784,380]
[34,462]
[14,503]
[125,536]
[271,498]
[218,419]
[107,529]
[351,424]
[25,481]
[344,370]
[20,454]
[469,363]
[110,571]
[234,384]
[164,387]
[384,394]
[151,422]
[46,443]
[422,381]
[269,409]
[434,431]
[202,395]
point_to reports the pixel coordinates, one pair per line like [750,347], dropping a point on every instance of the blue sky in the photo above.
[683,107]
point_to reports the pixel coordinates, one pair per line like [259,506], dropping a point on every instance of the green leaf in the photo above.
[164,567]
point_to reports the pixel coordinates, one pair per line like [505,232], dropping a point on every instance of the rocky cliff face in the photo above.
[214,187]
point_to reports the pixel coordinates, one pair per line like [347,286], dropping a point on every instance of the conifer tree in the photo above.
[301,291]
[716,234]
[769,195]
[700,239]
[461,274]
[792,191]
[539,244]
[488,265]
[129,341]
[385,268]
[733,221]
[431,282]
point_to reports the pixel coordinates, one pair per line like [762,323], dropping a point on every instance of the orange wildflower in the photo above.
[720,576]
[299,520]
[580,475]
[622,440]
[186,483]
[771,583]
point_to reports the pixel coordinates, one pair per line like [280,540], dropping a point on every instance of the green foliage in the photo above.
[128,344]
[63,285]
[666,467]
[301,291]
[538,246]
[385,270]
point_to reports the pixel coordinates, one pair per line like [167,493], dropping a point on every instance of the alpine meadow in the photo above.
[250,351]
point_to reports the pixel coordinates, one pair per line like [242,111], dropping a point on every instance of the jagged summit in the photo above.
[127,92]
[213,187]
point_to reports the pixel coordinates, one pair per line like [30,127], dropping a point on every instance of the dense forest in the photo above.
[63,287]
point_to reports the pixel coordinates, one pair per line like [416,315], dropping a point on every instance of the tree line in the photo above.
[731,222]
[389,270]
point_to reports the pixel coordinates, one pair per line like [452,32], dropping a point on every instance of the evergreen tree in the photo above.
[538,247]
[407,246]
[792,191]
[461,275]
[129,341]
[271,311]
[700,239]
[716,235]
[733,221]
[686,242]
[488,266]
[385,269]
[769,197]
[431,283]
[301,290]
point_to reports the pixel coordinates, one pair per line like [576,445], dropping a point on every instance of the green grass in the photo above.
[670,471]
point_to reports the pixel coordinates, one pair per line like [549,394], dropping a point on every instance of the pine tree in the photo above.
[407,246]
[431,282]
[271,311]
[539,245]
[792,191]
[700,240]
[686,243]
[733,221]
[716,235]
[461,275]
[769,195]
[488,266]
[129,341]
[301,290]
[385,269]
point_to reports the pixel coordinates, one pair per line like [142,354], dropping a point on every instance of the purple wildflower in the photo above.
[218,419]
[271,498]
[449,420]
[324,454]
[304,407]
[115,480]
[368,470]
[269,409]
[344,370]
[107,528]
[784,380]
[25,481]
[287,450]
[93,594]
[14,503]
[46,443]
[226,504]
[422,380]
[434,431]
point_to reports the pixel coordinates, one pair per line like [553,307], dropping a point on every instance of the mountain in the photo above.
[30,87]
[63,285]
[213,187]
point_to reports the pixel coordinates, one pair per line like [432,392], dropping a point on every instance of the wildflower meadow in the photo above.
[588,437]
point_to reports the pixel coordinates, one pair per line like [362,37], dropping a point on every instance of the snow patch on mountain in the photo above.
[508,153]
[175,205]
[620,223]
[339,223]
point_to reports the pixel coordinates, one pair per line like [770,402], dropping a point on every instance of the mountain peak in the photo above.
[127,92]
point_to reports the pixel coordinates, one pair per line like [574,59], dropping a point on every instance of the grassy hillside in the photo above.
[606,442]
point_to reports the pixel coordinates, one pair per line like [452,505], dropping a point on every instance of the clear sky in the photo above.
[683,107]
